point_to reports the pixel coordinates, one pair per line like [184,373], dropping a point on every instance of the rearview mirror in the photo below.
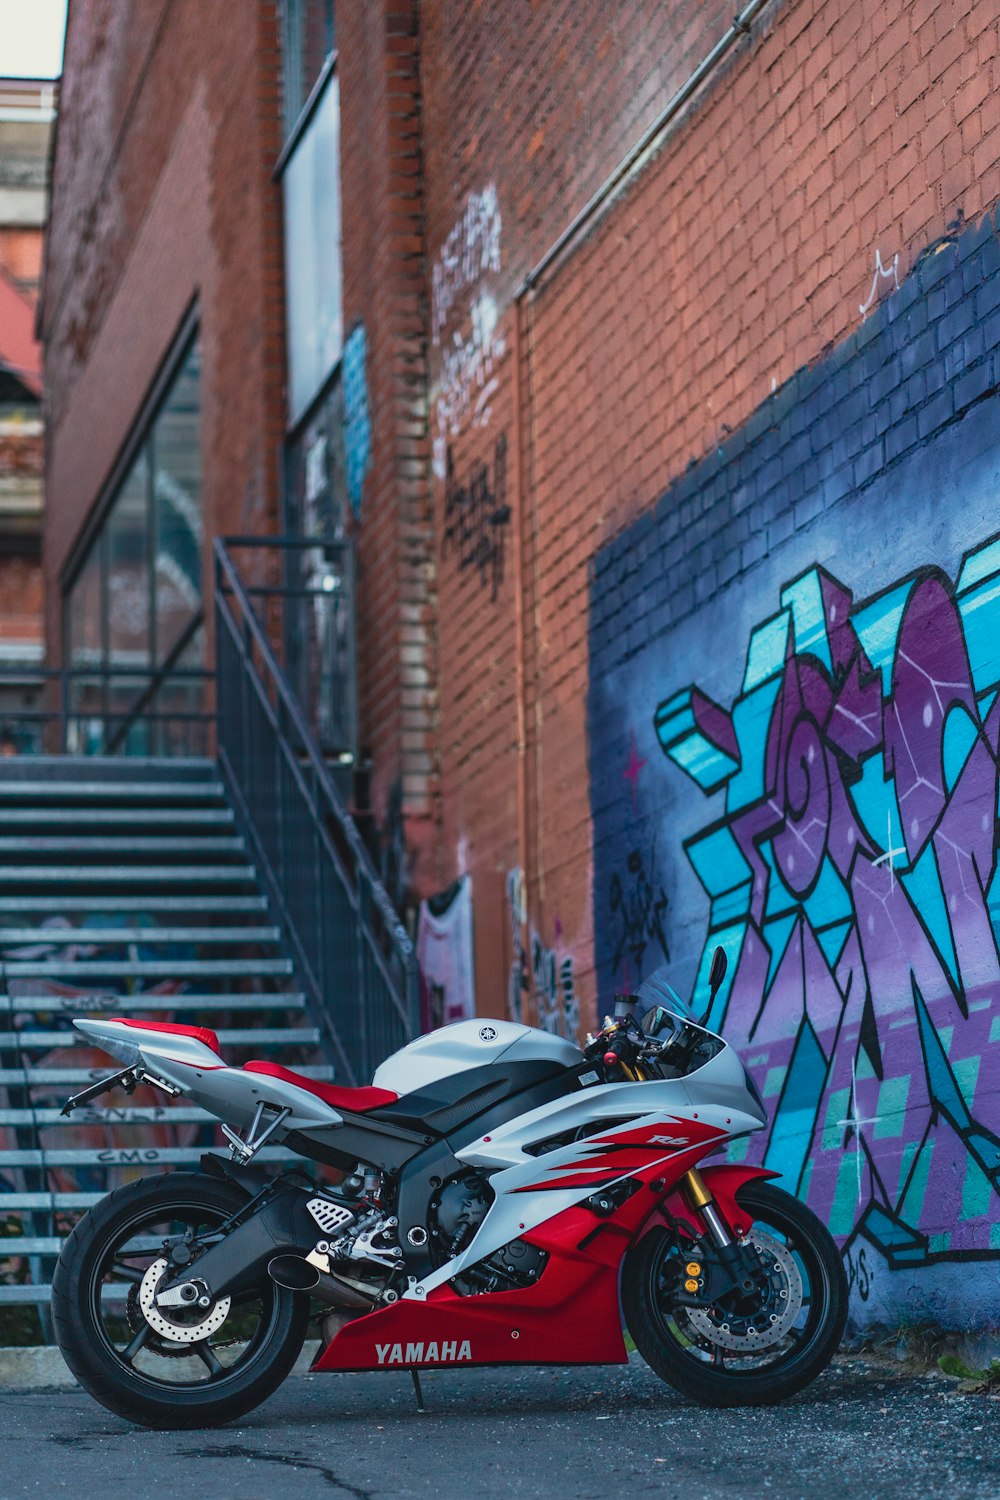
[717,972]
[716,975]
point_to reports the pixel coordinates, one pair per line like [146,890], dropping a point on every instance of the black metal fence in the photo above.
[352,951]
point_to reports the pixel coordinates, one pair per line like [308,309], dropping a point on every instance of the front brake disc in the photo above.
[781,1304]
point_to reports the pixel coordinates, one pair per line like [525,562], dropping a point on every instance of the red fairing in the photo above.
[200,1033]
[357,1100]
[569,1317]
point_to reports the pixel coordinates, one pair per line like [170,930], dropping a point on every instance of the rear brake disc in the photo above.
[177,1332]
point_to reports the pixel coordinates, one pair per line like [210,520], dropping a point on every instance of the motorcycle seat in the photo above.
[356,1101]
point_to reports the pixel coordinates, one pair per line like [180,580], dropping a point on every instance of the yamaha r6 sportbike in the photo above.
[506,1199]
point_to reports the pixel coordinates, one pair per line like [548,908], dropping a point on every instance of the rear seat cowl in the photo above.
[356,1101]
[201,1034]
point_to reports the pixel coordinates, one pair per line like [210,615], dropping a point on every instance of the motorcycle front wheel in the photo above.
[750,1352]
[176,1367]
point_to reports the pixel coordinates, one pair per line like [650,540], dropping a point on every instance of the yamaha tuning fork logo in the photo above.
[487,1033]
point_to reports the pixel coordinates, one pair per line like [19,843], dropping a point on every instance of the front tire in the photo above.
[703,1355]
[203,1368]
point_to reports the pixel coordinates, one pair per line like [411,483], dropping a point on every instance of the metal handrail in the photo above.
[344,930]
[55,709]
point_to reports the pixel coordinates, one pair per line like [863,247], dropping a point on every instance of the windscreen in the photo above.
[665,1010]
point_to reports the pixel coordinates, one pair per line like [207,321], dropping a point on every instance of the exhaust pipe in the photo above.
[298,1274]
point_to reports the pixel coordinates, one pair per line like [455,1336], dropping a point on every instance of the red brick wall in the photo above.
[540,103]
[384,278]
[743,251]
[163,193]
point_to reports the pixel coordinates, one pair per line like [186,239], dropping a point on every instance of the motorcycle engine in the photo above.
[456,1212]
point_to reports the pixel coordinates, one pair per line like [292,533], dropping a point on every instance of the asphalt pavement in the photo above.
[585,1434]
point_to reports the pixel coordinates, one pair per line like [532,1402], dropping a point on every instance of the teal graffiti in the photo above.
[357,422]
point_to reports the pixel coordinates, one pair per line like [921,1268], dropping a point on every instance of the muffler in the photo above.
[300,1275]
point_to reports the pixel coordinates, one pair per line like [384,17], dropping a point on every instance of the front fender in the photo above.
[724,1182]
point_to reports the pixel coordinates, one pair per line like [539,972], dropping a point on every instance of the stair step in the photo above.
[126,1156]
[204,905]
[21,875]
[39,1292]
[116,847]
[21,937]
[194,968]
[264,1036]
[42,1203]
[118,791]
[111,767]
[51,1244]
[79,1078]
[194,818]
[93,1005]
[165,1114]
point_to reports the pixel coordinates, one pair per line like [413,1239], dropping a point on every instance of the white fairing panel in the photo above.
[469,1044]
[529,1189]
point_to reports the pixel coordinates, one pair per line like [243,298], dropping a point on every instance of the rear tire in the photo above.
[688,1361]
[96,1316]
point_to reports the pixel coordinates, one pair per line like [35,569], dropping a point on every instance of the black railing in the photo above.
[106,710]
[352,951]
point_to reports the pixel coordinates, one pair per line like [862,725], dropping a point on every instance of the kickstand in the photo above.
[417,1391]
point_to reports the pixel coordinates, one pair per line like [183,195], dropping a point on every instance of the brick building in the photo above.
[27,110]
[647,364]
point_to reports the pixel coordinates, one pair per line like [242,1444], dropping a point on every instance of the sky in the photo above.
[31,38]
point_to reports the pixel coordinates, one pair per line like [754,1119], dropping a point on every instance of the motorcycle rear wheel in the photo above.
[682,1350]
[247,1345]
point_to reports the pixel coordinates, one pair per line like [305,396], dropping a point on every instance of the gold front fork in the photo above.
[699,1196]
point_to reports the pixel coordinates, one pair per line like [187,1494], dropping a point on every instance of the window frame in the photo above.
[138,447]
[291,131]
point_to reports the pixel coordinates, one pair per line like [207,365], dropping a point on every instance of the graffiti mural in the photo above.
[541,990]
[794,665]
[357,421]
[555,990]
[853,884]
[465,326]
[477,518]
[518,979]
[470,251]
[637,908]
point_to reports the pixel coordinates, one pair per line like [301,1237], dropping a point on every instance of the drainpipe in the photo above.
[637,156]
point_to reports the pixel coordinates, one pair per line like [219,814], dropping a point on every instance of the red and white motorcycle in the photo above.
[504,1199]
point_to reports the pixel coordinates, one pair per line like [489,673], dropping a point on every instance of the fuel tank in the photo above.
[470,1044]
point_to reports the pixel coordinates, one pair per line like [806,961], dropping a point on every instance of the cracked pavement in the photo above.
[562,1434]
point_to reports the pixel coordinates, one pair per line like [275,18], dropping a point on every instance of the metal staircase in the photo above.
[126,888]
[232,892]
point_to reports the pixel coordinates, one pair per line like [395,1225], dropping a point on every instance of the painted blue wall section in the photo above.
[793,732]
